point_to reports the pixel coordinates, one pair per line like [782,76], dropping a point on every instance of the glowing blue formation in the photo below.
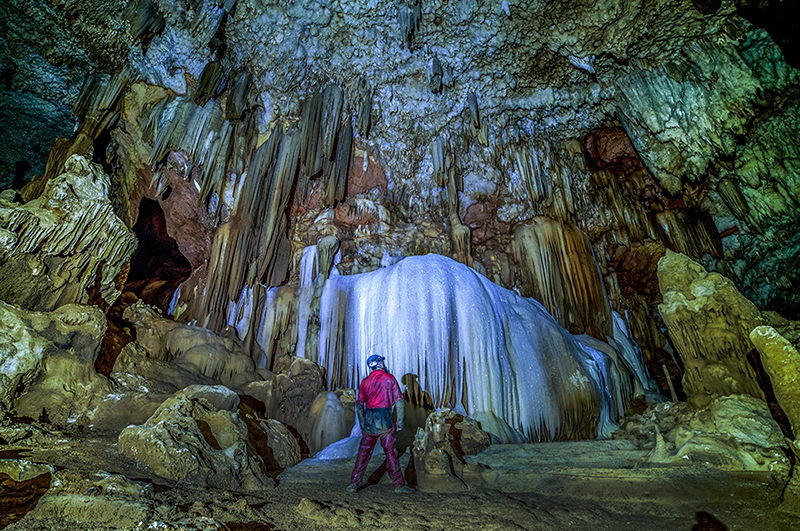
[474,345]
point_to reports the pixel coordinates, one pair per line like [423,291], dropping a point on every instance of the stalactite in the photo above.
[473,345]
[216,160]
[409,15]
[144,17]
[329,121]
[365,115]
[732,195]
[251,247]
[435,79]
[336,172]
[325,252]
[170,134]
[277,329]
[241,96]
[310,129]
[690,232]
[557,268]
[244,135]
[150,128]
[212,83]
[460,235]
[440,167]
[205,122]
[474,116]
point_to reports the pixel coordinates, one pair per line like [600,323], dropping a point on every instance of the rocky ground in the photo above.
[580,486]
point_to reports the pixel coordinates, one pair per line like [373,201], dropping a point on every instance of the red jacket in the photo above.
[379,389]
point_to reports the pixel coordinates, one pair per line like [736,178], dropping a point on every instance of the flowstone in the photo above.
[57,246]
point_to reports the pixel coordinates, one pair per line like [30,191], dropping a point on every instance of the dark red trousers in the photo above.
[365,452]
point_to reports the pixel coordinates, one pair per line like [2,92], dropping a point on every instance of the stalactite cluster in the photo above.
[557,268]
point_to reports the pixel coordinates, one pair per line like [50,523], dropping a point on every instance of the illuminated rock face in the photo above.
[47,362]
[59,245]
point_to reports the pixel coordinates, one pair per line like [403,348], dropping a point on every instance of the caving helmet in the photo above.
[373,361]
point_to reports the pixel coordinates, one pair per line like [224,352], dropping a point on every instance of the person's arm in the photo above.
[360,414]
[400,408]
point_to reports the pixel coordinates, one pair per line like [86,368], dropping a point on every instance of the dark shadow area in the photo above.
[781,19]
[707,522]
[18,498]
[21,174]
[157,266]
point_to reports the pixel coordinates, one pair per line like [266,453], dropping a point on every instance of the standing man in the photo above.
[377,394]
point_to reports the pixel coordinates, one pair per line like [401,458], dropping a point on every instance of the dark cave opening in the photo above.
[157,268]
[781,19]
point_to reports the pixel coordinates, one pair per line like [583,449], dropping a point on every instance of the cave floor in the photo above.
[590,485]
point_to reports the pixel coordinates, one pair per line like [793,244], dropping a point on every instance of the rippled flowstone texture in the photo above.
[56,248]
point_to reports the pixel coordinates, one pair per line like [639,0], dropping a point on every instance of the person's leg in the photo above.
[389,444]
[364,453]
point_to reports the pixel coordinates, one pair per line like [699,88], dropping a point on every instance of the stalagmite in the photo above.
[782,362]
[709,323]
[557,268]
[474,346]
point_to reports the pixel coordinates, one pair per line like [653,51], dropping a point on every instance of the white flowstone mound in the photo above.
[190,439]
[474,345]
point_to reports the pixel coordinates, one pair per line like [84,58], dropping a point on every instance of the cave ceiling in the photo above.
[648,125]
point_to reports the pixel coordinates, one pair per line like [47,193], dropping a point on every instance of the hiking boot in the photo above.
[405,489]
[352,487]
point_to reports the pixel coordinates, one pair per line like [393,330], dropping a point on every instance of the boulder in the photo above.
[49,357]
[270,439]
[440,448]
[733,433]
[289,396]
[211,357]
[190,439]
